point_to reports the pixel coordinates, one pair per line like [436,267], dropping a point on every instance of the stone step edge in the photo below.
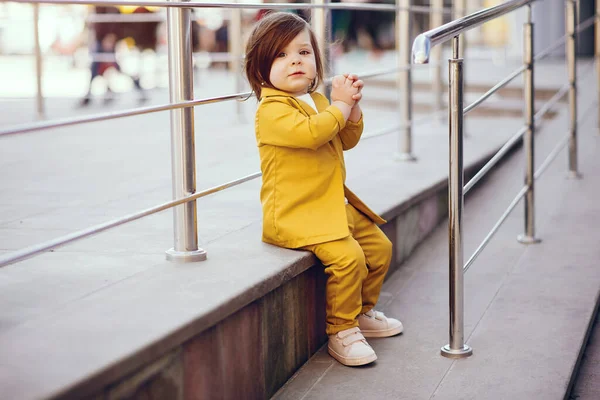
[104,382]
[585,341]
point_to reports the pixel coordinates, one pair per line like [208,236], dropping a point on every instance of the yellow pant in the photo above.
[356,267]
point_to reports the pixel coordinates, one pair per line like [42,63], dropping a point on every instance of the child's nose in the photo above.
[296,60]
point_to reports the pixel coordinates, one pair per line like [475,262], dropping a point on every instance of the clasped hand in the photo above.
[346,88]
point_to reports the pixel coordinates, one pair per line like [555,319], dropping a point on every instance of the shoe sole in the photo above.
[386,333]
[352,362]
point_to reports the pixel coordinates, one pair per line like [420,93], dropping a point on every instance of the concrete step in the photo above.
[586,385]
[528,309]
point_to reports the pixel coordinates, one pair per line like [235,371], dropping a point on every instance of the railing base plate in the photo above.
[574,175]
[405,157]
[447,352]
[528,239]
[186,256]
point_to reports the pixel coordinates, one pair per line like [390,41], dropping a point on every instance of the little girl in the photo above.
[306,205]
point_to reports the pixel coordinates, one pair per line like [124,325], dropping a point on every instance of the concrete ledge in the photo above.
[160,328]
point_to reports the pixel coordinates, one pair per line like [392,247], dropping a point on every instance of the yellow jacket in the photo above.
[301,157]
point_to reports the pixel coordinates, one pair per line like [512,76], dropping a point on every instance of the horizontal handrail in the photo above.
[430,116]
[551,103]
[507,146]
[551,156]
[109,18]
[381,72]
[60,123]
[494,160]
[423,44]
[199,55]
[558,95]
[414,122]
[561,144]
[586,24]
[381,132]
[111,57]
[559,42]
[494,89]
[27,252]
[248,6]
[493,231]
[30,251]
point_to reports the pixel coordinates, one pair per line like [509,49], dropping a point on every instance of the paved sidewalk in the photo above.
[527,308]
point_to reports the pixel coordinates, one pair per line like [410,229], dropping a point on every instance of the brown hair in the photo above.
[270,35]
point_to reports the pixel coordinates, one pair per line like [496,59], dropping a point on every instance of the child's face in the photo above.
[294,69]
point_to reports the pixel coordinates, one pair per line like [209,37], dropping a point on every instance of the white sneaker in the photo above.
[350,348]
[375,324]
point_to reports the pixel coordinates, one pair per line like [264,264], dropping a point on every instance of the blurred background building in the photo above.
[128,44]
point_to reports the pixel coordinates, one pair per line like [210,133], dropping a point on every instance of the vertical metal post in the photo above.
[179,31]
[456,348]
[571,50]
[437,19]
[39,95]
[460,10]
[597,48]
[235,54]
[320,21]
[528,141]
[403,49]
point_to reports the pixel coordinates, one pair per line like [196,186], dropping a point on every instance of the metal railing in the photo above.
[422,49]
[182,102]
[426,47]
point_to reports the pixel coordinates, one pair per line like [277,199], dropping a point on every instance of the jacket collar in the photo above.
[320,101]
[268,92]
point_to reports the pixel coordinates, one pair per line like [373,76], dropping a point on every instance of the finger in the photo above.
[358,83]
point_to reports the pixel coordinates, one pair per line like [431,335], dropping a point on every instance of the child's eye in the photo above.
[281,55]
[304,52]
